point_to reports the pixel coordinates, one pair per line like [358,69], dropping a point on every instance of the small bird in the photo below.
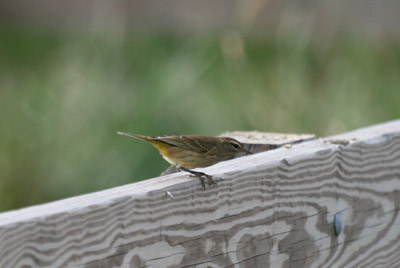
[193,151]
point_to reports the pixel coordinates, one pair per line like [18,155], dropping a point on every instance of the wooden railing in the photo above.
[272,209]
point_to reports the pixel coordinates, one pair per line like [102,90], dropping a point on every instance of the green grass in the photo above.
[64,96]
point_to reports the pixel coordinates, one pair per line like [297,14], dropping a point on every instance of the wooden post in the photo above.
[272,209]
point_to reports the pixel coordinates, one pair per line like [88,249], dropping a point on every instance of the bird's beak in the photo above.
[246,151]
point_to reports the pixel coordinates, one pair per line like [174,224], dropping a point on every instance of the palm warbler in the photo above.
[186,152]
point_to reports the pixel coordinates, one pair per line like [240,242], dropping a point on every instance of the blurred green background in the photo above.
[66,91]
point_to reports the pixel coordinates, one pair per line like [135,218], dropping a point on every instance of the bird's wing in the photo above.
[190,142]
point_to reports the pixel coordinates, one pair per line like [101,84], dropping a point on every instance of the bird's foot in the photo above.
[202,177]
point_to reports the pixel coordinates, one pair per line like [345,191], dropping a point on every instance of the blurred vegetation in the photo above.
[63,97]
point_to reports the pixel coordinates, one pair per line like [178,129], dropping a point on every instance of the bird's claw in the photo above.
[202,177]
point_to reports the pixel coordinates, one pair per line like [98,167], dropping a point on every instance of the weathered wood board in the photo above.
[273,209]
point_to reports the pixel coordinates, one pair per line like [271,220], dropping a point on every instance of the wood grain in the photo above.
[272,209]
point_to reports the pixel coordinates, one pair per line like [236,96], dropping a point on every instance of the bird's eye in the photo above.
[235,145]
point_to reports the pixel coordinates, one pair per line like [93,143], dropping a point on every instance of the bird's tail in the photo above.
[141,137]
[159,144]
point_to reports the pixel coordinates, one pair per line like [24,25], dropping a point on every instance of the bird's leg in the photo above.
[202,177]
